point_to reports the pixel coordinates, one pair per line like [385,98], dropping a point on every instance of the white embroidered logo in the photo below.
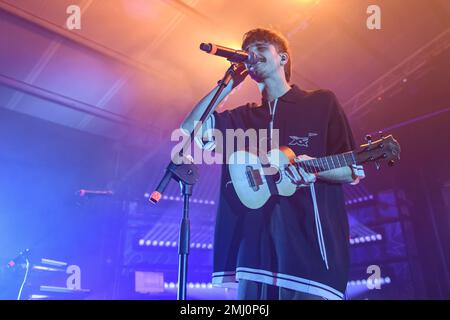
[301,141]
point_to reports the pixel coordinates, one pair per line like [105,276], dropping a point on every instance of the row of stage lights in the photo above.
[363,282]
[192,200]
[359,200]
[209,246]
[364,239]
[173,244]
[212,202]
[190,285]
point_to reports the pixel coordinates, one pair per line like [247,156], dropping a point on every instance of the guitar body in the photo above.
[251,179]
[255,183]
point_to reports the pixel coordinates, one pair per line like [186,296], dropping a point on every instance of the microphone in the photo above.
[94,193]
[24,254]
[231,54]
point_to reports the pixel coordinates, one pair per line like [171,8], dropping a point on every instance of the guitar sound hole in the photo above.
[275,174]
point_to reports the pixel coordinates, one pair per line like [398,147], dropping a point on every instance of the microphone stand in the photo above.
[186,174]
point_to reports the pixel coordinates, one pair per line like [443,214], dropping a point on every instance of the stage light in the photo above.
[141,242]
[174,244]
[387,280]
[197,285]
[210,246]
[197,245]
[148,243]
[171,285]
[379,237]
[167,243]
[155,243]
[161,243]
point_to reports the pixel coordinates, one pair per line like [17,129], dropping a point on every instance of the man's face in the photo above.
[263,70]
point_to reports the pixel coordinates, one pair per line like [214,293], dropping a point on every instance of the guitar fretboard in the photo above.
[328,163]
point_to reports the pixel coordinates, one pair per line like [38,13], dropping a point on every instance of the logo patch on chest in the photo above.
[301,141]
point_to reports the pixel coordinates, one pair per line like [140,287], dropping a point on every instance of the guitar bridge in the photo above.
[253,177]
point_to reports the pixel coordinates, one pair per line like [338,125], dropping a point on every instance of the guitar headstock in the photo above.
[384,149]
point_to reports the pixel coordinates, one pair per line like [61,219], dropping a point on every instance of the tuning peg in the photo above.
[381,135]
[369,139]
[391,163]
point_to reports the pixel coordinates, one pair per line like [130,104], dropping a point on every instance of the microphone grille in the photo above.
[207,47]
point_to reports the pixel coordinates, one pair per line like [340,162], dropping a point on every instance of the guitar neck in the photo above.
[328,163]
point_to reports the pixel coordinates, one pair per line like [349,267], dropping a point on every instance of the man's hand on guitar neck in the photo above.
[339,175]
[299,176]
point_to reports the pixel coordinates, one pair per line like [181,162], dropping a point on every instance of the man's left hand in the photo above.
[299,176]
